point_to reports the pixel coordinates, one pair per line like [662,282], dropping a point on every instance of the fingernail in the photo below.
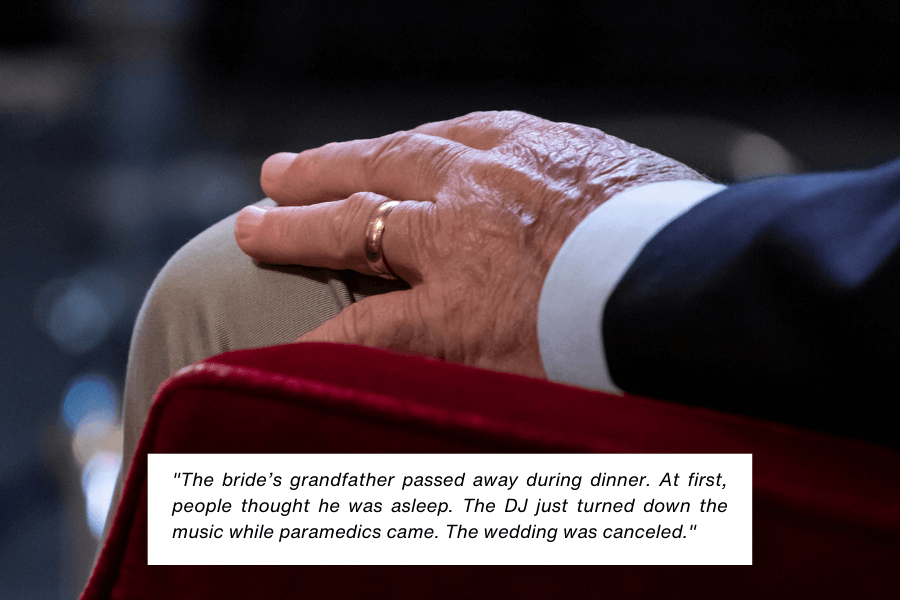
[276,165]
[248,220]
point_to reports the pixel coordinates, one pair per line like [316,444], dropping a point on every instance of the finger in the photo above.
[403,166]
[332,234]
[480,130]
[387,320]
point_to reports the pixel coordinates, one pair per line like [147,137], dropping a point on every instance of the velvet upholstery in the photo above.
[826,520]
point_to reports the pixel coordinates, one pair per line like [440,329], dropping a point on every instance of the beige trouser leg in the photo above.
[210,298]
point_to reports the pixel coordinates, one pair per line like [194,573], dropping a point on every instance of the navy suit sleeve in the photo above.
[776,298]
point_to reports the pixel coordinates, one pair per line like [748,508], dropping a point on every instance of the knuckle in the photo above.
[381,152]
[308,170]
[508,124]
[514,119]
[477,119]
[503,171]
[427,158]
[497,116]
[363,200]
[516,115]
[479,115]
[437,158]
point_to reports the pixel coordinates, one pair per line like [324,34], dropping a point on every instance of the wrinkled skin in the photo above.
[491,197]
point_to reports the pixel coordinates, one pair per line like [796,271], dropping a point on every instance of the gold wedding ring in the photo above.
[374,236]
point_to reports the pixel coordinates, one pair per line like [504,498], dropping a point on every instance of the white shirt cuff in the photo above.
[587,269]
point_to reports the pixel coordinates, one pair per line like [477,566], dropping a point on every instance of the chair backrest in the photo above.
[826,511]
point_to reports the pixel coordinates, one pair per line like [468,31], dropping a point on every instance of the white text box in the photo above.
[449,509]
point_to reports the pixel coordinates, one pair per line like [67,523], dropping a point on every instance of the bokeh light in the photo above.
[89,409]
[89,398]
[78,312]
[98,481]
[756,155]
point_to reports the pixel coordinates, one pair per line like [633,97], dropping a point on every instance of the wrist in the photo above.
[589,265]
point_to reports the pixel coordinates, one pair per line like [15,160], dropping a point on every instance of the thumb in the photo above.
[383,321]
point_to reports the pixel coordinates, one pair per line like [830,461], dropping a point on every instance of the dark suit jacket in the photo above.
[778,298]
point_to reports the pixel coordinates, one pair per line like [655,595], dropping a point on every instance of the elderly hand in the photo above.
[487,201]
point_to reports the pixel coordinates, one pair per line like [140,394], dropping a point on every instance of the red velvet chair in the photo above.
[826,511]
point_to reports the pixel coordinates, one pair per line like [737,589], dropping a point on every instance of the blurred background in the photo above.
[129,126]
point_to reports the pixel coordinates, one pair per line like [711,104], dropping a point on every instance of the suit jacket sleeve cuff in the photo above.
[587,269]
